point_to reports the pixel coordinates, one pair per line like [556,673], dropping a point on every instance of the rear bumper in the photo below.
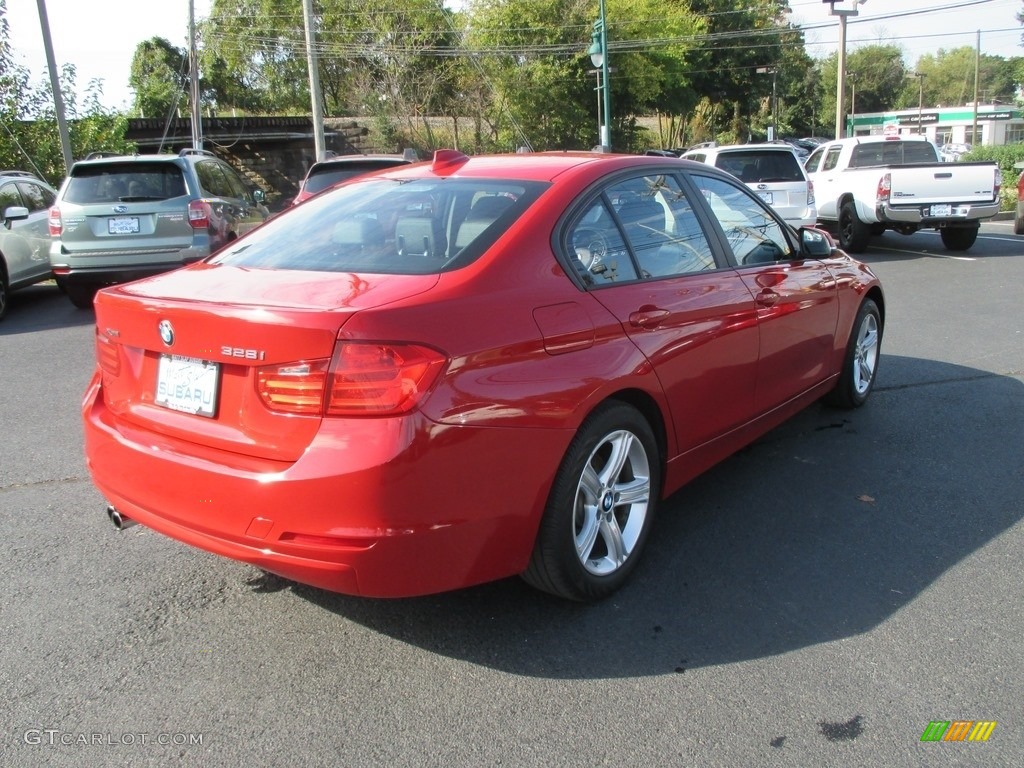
[963,214]
[375,507]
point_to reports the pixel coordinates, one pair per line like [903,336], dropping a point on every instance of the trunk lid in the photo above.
[214,327]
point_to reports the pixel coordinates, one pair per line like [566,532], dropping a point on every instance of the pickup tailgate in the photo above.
[943,183]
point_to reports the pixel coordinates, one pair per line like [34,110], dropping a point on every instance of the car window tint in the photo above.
[755,166]
[236,187]
[660,226]
[754,236]
[212,179]
[9,197]
[831,158]
[108,183]
[598,251]
[385,226]
[812,162]
[37,197]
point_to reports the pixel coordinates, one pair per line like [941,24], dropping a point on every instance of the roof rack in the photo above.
[191,151]
[99,155]
[24,174]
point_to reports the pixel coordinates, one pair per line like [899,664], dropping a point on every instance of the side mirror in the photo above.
[815,243]
[259,196]
[14,213]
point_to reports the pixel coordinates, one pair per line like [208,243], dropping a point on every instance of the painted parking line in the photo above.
[924,253]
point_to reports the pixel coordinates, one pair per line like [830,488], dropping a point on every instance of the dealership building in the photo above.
[997,124]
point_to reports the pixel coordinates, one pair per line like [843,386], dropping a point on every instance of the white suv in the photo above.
[772,171]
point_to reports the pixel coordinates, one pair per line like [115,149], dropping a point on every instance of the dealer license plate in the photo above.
[187,384]
[942,210]
[767,197]
[123,225]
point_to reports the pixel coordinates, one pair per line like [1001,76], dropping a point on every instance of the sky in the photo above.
[100,36]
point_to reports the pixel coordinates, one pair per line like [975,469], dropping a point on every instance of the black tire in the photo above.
[959,238]
[81,295]
[589,539]
[1018,225]
[860,364]
[853,233]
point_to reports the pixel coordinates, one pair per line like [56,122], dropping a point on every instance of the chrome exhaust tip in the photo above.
[120,521]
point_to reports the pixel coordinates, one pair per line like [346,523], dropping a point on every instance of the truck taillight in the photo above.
[199,214]
[56,226]
[361,379]
[884,188]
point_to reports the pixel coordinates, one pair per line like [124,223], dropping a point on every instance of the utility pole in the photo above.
[58,98]
[920,100]
[193,69]
[314,81]
[977,64]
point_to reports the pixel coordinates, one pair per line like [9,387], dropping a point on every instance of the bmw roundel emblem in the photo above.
[166,332]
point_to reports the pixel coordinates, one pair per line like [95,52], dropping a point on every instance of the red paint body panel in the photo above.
[452,493]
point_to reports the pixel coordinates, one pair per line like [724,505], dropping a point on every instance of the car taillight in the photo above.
[884,188]
[107,355]
[810,193]
[294,387]
[998,185]
[199,214]
[55,224]
[361,379]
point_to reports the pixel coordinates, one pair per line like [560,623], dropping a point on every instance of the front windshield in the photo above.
[415,227]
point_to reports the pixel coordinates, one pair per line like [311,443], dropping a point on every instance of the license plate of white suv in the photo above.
[187,384]
[123,225]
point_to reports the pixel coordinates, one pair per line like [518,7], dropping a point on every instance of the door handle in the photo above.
[648,317]
[767,298]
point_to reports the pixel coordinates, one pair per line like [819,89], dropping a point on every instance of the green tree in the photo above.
[160,78]
[949,78]
[876,76]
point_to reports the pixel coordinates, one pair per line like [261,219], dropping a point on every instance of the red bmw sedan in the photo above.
[469,369]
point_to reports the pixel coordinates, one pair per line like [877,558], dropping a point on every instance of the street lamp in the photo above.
[773,71]
[847,8]
[599,56]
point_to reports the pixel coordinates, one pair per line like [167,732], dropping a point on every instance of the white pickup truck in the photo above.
[866,185]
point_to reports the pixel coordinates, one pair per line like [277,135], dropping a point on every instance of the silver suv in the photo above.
[772,171]
[121,218]
[24,239]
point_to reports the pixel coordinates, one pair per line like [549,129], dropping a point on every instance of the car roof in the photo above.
[769,146]
[526,166]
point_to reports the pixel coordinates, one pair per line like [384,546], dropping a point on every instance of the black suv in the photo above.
[121,218]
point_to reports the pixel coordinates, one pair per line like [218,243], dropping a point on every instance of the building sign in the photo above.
[926,117]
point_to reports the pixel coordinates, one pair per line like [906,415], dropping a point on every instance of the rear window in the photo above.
[323,176]
[124,183]
[892,153]
[386,226]
[761,166]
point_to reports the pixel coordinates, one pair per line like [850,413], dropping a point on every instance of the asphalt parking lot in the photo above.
[818,599]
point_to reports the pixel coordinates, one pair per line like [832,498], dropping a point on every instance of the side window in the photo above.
[235,184]
[9,197]
[600,254]
[753,234]
[38,198]
[812,162]
[831,158]
[212,180]
[660,227]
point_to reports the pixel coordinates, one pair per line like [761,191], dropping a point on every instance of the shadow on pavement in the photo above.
[821,530]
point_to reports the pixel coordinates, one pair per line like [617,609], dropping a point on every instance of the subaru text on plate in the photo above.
[464,370]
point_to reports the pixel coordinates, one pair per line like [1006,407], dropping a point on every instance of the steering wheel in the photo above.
[591,247]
